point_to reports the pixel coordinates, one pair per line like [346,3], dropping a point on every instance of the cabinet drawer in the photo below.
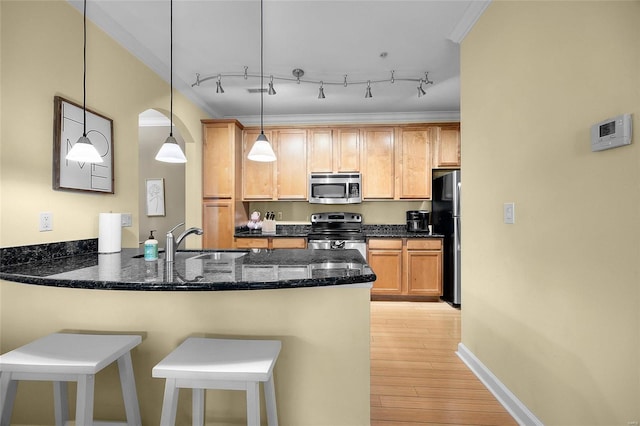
[252,243]
[385,244]
[424,244]
[300,243]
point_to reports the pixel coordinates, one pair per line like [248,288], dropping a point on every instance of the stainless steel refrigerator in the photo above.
[445,218]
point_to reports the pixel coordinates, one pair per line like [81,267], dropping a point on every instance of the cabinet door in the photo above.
[291,164]
[384,256]
[448,147]
[258,177]
[291,243]
[218,160]
[423,272]
[414,164]
[347,150]
[320,151]
[217,221]
[378,179]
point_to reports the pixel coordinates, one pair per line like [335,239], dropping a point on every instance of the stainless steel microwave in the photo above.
[335,188]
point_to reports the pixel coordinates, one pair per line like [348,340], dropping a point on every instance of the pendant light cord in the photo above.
[84,70]
[171,69]
[261,75]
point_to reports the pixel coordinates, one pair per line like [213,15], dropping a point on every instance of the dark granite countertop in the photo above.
[370,231]
[192,270]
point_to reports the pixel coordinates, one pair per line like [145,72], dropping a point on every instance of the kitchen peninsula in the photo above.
[315,301]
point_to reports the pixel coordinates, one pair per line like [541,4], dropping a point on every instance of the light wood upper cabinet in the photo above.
[291,164]
[347,150]
[258,177]
[447,146]
[320,151]
[334,150]
[413,168]
[378,172]
[217,160]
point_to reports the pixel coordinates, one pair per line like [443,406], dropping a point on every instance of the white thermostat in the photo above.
[611,133]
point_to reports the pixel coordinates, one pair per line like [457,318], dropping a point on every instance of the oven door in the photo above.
[328,244]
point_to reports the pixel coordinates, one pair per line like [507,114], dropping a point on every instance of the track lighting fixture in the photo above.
[297,77]
[261,149]
[84,151]
[421,90]
[367,93]
[219,88]
[170,151]
[271,89]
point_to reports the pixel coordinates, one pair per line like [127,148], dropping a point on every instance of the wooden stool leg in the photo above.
[60,403]
[170,403]
[197,411]
[84,400]
[270,400]
[8,390]
[128,384]
[253,404]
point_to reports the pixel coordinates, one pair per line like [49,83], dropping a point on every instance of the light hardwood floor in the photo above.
[416,377]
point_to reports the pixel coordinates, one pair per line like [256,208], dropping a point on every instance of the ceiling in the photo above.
[364,40]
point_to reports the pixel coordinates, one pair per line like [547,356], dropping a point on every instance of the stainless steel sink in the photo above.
[220,255]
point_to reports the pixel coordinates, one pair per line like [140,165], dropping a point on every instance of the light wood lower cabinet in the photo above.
[385,258]
[406,266]
[271,243]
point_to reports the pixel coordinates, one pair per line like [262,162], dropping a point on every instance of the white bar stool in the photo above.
[203,363]
[65,357]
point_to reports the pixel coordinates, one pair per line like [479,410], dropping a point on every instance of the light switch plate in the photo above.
[509,213]
[125,219]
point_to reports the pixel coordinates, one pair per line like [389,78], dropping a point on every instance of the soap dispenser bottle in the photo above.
[151,248]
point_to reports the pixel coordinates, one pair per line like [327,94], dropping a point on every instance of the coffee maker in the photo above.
[417,221]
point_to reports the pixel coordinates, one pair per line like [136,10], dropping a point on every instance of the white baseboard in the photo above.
[509,401]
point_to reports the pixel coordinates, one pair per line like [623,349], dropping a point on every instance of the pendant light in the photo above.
[261,150]
[84,151]
[170,151]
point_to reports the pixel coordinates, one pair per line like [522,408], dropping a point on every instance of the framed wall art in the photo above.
[155,197]
[67,129]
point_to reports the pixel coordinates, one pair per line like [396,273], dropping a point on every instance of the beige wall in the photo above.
[42,58]
[551,304]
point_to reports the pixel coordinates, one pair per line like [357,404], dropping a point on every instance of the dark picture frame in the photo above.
[68,119]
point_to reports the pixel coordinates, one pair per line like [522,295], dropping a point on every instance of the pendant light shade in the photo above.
[84,151]
[170,151]
[261,149]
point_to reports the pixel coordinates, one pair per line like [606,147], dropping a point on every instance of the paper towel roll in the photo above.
[110,233]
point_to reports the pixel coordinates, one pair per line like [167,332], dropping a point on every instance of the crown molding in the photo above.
[468,20]
[364,118]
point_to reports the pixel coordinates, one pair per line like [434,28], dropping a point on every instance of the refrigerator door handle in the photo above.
[457,207]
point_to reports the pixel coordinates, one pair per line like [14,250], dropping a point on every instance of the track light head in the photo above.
[367,93]
[321,91]
[271,91]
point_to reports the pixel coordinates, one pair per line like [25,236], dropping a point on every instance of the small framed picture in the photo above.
[155,197]
[68,126]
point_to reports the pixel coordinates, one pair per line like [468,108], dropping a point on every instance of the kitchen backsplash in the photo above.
[373,212]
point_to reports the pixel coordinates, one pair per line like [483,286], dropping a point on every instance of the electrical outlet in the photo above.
[509,213]
[46,221]
[126,219]
[279,215]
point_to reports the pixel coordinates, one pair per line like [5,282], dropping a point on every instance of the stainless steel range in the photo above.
[336,231]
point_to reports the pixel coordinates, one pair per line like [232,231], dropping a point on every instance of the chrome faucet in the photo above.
[172,244]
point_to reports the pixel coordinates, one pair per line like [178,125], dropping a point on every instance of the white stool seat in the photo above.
[65,357]
[203,363]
